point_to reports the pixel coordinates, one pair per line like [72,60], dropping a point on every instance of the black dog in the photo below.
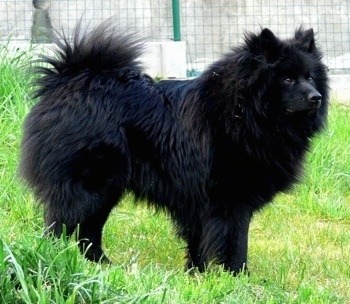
[210,151]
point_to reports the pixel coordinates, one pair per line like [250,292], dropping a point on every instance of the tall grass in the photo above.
[299,246]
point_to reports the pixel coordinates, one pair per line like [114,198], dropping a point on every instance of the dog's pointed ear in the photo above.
[269,45]
[305,39]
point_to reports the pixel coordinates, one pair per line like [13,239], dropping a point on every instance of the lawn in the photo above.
[299,245]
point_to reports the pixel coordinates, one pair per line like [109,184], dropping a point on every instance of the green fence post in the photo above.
[176,20]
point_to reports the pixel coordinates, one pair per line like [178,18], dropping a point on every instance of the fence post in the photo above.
[176,20]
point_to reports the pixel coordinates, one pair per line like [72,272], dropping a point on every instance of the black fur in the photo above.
[210,151]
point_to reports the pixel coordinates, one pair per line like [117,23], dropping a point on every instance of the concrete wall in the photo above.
[166,59]
[209,27]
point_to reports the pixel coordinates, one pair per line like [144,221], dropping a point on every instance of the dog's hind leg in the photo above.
[96,181]
[86,215]
[89,233]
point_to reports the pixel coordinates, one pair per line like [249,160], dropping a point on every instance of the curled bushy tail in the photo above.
[106,48]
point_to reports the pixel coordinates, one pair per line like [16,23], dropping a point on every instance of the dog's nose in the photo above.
[315,97]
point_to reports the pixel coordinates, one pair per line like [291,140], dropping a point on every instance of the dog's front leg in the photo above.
[225,238]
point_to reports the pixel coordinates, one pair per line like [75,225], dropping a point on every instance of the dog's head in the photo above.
[300,94]
[298,80]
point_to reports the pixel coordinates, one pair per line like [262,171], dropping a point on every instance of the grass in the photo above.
[299,246]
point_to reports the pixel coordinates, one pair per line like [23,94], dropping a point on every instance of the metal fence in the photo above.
[209,27]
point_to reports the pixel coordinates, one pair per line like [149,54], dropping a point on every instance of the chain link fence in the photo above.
[209,27]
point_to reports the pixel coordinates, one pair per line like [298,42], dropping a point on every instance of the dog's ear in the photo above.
[269,45]
[305,39]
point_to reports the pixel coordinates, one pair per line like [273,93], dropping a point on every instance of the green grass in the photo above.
[299,246]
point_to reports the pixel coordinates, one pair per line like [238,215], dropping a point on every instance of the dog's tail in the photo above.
[107,48]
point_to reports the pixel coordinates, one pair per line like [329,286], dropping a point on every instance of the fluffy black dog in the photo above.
[210,151]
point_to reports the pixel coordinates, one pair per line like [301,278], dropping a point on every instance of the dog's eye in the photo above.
[310,79]
[288,80]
